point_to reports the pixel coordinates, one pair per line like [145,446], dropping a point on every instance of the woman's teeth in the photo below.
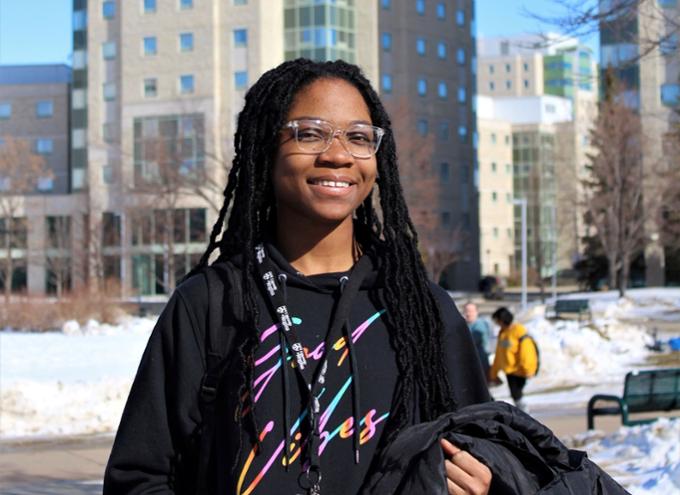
[331,183]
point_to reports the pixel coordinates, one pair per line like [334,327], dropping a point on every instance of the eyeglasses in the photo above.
[316,136]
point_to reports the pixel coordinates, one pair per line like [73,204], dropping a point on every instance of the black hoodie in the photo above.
[159,424]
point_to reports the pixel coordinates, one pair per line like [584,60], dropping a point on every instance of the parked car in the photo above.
[491,287]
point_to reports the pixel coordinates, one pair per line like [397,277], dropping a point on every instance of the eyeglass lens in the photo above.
[361,140]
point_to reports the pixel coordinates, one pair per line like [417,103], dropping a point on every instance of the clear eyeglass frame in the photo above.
[360,140]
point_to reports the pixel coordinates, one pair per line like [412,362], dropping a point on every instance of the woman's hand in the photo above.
[464,473]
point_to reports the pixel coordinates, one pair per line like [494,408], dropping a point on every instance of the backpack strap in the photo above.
[219,335]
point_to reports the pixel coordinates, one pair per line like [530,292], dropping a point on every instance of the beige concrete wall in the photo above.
[495,70]
[496,221]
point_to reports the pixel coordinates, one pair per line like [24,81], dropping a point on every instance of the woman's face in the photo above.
[323,187]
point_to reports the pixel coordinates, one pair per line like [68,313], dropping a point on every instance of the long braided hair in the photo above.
[413,316]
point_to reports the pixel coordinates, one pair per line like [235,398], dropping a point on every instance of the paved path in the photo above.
[75,466]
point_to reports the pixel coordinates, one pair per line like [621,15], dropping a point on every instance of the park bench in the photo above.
[580,307]
[643,391]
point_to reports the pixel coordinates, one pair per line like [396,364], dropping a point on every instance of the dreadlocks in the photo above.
[413,315]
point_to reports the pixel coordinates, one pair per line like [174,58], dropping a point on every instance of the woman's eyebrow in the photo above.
[311,117]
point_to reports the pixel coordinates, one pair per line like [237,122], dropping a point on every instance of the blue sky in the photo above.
[38,31]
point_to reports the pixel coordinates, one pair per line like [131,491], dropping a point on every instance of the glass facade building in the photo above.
[320,29]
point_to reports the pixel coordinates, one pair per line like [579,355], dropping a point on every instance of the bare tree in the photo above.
[58,253]
[20,171]
[581,18]
[614,190]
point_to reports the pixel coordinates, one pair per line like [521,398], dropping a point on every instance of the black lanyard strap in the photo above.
[313,379]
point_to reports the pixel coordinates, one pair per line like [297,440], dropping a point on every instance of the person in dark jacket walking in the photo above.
[342,340]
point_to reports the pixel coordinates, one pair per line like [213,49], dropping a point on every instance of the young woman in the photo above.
[332,287]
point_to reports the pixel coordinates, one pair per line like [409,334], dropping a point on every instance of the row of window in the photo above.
[508,68]
[496,233]
[494,168]
[186,85]
[421,48]
[422,88]
[508,84]
[440,10]
[185,43]
[423,129]
[43,109]
[494,197]
[147,7]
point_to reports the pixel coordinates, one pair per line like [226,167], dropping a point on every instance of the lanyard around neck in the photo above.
[313,379]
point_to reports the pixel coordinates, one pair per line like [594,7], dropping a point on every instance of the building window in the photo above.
[442,90]
[240,37]
[460,56]
[79,59]
[5,110]
[150,87]
[109,90]
[441,50]
[422,127]
[44,109]
[446,219]
[149,45]
[78,139]
[108,11]
[441,10]
[186,84]
[186,42]
[508,168]
[494,196]
[44,146]
[109,50]
[387,83]
[420,7]
[240,2]
[241,79]
[149,6]
[462,95]
[670,94]
[386,4]
[508,68]
[493,138]
[387,41]
[80,20]
[45,184]
[444,173]
[462,133]
[508,84]
[444,130]
[492,85]
[422,87]
[420,46]
[526,67]
[493,167]
[78,99]
[526,84]
[186,4]
[508,197]
[460,17]
[495,231]
[669,44]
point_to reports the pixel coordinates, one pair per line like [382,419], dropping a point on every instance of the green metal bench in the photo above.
[643,391]
[580,307]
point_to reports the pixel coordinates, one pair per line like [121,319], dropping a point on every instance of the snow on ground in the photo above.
[644,459]
[76,381]
[70,382]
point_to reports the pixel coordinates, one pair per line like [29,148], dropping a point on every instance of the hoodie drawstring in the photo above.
[284,374]
[356,411]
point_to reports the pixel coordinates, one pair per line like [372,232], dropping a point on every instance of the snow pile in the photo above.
[644,459]
[574,354]
[70,382]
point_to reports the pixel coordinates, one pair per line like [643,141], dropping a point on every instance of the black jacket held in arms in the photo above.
[524,456]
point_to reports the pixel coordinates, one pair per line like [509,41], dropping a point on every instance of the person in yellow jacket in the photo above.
[517,366]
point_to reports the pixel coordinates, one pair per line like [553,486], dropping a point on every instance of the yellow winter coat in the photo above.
[508,351]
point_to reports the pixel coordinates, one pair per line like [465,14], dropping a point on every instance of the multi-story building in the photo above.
[643,52]
[427,70]
[36,235]
[156,92]
[538,81]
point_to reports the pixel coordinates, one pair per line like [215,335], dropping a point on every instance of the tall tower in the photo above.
[427,67]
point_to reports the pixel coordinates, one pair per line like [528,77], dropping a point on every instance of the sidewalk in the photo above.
[75,466]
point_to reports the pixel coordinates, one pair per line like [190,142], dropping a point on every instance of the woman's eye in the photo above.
[310,134]
[359,137]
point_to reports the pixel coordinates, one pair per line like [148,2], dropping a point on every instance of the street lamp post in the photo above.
[522,202]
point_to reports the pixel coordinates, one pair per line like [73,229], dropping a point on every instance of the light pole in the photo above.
[522,202]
